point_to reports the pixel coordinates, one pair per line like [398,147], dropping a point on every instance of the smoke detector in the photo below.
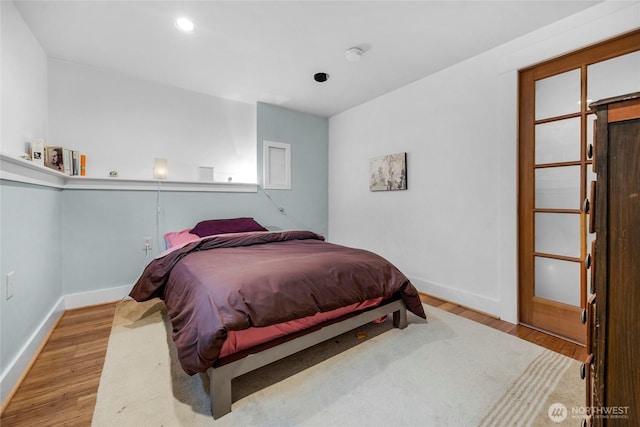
[353,54]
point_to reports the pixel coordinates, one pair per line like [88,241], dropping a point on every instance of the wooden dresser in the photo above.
[612,371]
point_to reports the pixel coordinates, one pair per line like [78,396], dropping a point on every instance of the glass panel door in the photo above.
[556,129]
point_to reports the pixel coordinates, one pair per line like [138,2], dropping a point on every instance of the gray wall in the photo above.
[305,205]
[30,237]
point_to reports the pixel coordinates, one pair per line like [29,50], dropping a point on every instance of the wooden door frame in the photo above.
[580,59]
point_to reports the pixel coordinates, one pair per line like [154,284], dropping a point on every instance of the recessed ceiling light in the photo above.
[185,24]
[321,77]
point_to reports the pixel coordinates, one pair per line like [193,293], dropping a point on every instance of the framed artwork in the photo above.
[388,173]
[53,158]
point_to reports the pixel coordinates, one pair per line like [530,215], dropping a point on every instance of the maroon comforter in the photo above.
[236,281]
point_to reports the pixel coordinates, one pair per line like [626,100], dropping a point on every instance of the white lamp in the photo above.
[160,170]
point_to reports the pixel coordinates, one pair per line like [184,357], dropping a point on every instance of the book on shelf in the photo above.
[66,155]
[75,162]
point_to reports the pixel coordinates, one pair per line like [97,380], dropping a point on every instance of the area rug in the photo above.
[449,371]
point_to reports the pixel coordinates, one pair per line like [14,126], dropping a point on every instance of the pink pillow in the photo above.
[175,238]
[223,226]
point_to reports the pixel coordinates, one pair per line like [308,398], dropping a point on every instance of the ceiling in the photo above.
[268,51]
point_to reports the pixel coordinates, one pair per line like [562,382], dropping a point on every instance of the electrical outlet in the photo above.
[148,243]
[10,285]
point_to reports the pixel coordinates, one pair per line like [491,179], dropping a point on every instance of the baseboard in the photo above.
[467,299]
[101,296]
[19,366]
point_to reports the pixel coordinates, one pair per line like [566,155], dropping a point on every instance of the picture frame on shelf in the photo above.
[54,158]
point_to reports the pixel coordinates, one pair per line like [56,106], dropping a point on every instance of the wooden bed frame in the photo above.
[220,376]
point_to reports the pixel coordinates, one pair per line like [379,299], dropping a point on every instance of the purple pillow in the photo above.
[222,226]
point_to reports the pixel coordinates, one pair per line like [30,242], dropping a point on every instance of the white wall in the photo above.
[122,123]
[24,84]
[454,231]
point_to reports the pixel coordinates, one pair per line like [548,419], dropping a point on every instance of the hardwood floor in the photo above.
[550,342]
[61,387]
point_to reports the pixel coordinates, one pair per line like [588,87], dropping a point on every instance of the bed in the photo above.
[242,297]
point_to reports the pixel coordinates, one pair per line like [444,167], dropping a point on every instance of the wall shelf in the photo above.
[20,170]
